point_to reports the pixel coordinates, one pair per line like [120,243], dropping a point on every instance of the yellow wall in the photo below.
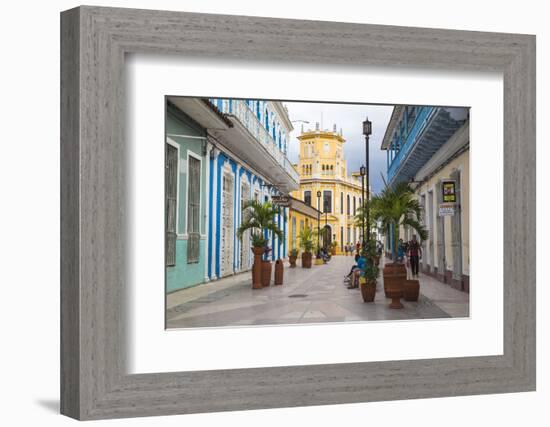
[322,167]
[300,221]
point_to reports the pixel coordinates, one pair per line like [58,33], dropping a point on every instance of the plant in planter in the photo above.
[259,218]
[394,207]
[368,280]
[306,244]
[292,256]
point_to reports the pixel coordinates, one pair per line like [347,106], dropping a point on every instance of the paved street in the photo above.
[313,295]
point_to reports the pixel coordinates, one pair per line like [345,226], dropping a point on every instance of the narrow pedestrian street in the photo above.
[315,295]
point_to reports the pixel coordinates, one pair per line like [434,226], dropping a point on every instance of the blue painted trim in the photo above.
[221,160]
[279,243]
[210,216]
[406,144]
[284,232]
[235,202]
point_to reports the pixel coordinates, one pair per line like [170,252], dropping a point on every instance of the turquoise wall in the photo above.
[184,275]
[176,125]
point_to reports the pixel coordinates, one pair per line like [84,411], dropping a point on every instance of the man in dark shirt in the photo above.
[415,252]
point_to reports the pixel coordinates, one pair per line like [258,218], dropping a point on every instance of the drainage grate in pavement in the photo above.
[297,296]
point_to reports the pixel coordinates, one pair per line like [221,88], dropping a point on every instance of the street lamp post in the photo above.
[367,131]
[318,219]
[363,171]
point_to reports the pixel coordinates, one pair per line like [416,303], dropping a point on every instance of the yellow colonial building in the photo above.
[323,171]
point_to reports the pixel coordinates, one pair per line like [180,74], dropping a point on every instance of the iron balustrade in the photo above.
[423,116]
[242,111]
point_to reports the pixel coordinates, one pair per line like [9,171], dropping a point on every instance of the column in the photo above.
[440,236]
[456,232]
[207,225]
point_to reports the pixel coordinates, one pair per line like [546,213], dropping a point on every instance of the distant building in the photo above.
[221,153]
[429,147]
[323,168]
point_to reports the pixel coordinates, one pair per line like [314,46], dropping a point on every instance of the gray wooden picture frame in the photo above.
[94,381]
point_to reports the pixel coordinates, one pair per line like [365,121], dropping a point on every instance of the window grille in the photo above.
[193,210]
[171,188]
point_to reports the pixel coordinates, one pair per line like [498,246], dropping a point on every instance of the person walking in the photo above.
[346,249]
[415,252]
[400,251]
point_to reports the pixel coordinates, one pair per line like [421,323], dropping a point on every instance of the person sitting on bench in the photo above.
[348,276]
[358,272]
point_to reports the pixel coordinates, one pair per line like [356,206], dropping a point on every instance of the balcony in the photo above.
[239,111]
[432,128]
[235,126]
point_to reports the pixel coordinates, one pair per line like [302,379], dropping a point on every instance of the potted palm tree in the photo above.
[306,244]
[292,256]
[394,207]
[369,279]
[259,218]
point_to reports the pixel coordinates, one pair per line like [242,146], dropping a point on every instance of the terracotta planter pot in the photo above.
[394,283]
[411,290]
[393,272]
[306,260]
[266,273]
[257,268]
[292,261]
[368,291]
[279,272]
[395,291]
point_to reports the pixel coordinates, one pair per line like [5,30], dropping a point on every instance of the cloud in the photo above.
[349,118]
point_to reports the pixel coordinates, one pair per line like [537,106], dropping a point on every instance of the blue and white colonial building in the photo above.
[243,156]
[428,146]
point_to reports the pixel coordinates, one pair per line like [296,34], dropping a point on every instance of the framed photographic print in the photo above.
[274,213]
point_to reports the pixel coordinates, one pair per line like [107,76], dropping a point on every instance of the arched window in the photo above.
[354,206]
[266,120]
[348,207]
[258,110]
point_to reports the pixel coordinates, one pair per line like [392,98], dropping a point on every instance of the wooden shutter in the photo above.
[193,210]
[171,189]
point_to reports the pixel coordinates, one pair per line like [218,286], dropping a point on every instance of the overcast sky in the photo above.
[350,119]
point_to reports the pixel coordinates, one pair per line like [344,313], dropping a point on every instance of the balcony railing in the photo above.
[422,118]
[241,110]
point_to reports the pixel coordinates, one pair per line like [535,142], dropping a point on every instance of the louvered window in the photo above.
[171,184]
[193,210]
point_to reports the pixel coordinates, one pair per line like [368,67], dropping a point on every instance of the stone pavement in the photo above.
[315,295]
